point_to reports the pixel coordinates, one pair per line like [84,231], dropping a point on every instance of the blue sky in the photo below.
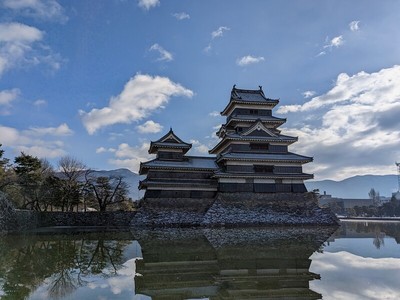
[98,80]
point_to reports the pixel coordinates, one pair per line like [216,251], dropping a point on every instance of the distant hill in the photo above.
[356,187]
[131,178]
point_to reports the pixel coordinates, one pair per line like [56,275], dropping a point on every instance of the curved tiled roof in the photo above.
[189,163]
[289,157]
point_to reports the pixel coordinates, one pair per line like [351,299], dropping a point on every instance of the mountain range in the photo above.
[356,187]
[131,178]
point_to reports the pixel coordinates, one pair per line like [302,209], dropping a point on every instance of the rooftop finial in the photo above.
[260,86]
[234,86]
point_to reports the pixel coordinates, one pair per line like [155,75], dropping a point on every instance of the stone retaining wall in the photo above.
[233,210]
[15,220]
[104,219]
[7,214]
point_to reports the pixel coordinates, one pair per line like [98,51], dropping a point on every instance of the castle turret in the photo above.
[252,154]
[172,174]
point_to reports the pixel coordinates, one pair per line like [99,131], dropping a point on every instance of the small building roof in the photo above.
[193,163]
[169,141]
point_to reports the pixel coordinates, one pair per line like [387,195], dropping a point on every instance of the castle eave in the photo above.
[251,157]
[303,176]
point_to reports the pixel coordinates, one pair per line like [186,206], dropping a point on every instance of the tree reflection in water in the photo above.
[61,261]
[376,230]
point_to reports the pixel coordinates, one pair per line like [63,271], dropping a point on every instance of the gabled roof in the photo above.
[169,141]
[255,97]
[258,126]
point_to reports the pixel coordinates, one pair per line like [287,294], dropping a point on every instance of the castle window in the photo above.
[259,146]
[254,111]
[263,169]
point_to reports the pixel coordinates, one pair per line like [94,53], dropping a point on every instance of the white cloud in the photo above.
[17,32]
[249,59]
[164,54]
[354,25]
[359,125]
[199,147]
[148,4]
[308,94]
[141,95]
[28,141]
[103,150]
[40,102]
[215,114]
[130,157]
[41,9]
[336,42]
[62,130]
[219,32]
[208,48]
[150,127]
[181,16]
[8,96]
[20,46]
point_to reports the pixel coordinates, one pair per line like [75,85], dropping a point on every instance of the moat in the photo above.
[360,260]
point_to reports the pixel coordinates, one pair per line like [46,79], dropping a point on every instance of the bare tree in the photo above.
[109,191]
[72,174]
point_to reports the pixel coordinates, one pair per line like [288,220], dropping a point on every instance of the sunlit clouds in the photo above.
[140,96]
[43,142]
[354,26]
[181,16]
[164,55]
[216,34]
[19,47]
[248,60]
[358,127]
[47,10]
[308,94]
[130,157]
[148,4]
[219,32]
[150,127]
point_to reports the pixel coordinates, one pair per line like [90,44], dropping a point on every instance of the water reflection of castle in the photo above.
[228,263]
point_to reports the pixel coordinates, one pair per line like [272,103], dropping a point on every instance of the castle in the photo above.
[251,156]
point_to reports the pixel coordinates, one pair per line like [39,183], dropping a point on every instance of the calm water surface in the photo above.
[358,261]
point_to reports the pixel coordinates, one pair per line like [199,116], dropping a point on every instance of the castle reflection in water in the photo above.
[161,264]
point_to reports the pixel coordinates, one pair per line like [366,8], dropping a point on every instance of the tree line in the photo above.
[377,209]
[33,183]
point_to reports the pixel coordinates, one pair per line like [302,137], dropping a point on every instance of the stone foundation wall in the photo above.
[233,210]
[7,214]
[105,219]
